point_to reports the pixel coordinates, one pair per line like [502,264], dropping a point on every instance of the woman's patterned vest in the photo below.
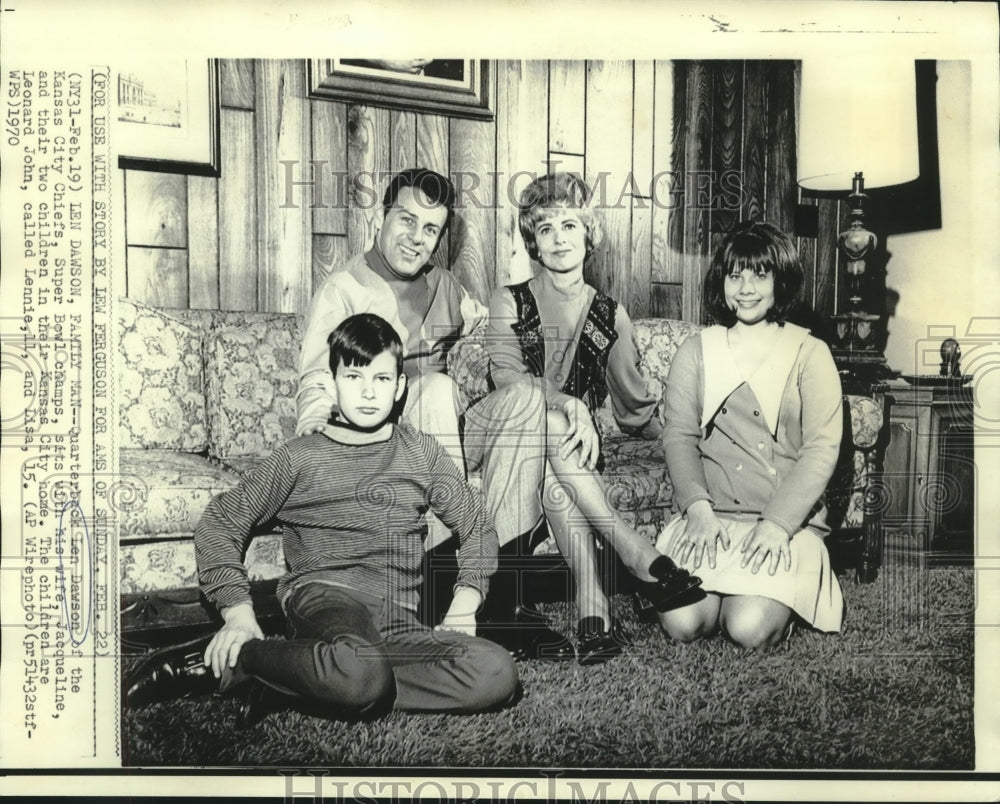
[587,377]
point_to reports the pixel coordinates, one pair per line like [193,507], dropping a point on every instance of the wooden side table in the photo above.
[930,474]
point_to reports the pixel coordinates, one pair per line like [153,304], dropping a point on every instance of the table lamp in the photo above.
[857,129]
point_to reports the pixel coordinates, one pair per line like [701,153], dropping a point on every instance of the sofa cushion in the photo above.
[252,373]
[160,381]
[162,493]
[171,565]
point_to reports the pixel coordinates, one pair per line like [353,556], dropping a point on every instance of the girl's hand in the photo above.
[766,539]
[581,433]
[700,534]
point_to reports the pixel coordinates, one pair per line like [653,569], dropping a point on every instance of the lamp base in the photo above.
[856,350]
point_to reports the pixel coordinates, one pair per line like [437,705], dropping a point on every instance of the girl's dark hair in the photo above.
[438,189]
[759,247]
[360,339]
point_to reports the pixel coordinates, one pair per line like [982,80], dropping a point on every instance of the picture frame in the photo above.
[167,117]
[455,88]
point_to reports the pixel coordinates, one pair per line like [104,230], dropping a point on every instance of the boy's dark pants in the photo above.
[361,655]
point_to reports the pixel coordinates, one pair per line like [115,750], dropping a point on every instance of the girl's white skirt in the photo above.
[810,588]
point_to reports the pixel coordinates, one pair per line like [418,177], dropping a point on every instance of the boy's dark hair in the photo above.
[558,189]
[760,247]
[360,339]
[438,189]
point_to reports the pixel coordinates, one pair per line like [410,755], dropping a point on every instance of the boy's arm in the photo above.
[462,510]
[220,541]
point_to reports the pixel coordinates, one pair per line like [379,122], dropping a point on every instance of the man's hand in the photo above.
[224,649]
[461,616]
[766,539]
[699,535]
[581,433]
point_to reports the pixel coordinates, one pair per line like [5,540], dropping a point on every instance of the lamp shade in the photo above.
[857,114]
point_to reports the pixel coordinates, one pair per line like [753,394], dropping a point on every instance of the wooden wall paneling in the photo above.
[403,140]
[158,276]
[781,187]
[329,253]
[807,255]
[567,106]
[284,230]
[329,195]
[203,242]
[666,300]
[433,149]
[827,257]
[473,231]
[698,165]
[156,209]
[567,163]
[727,147]
[368,168]
[755,136]
[237,190]
[237,84]
[522,148]
[640,275]
[643,110]
[671,190]
[609,171]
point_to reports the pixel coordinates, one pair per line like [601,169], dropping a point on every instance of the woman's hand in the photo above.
[224,649]
[581,434]
[766,539]
[699,535]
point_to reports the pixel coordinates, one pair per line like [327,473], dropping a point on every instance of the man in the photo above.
[430,310]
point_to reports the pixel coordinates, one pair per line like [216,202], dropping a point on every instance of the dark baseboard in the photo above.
[156,618]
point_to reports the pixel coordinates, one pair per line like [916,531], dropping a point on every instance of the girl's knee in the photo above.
[685,626]
[754,629]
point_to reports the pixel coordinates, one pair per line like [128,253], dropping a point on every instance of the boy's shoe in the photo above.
[674,587]
[169,673]
[595,645]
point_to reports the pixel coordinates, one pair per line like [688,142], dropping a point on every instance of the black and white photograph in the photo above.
[616,422]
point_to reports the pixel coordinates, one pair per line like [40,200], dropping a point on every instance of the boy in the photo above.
[351,500]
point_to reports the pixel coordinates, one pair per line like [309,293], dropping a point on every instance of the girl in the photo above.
[752,431]
[559,333]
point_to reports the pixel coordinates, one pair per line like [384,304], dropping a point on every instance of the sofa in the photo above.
[205,395]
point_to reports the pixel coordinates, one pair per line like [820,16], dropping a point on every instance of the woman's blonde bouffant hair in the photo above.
[560,189]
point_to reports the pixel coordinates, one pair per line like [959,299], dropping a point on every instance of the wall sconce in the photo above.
[857,128]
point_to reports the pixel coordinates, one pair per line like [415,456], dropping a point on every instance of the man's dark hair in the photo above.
[360,339]
[438,189]
[762,248]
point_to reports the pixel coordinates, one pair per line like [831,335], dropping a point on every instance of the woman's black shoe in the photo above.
[595,645]
[527,635]
[672,588]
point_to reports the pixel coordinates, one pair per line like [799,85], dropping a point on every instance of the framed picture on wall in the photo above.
[453,87]
[167,116]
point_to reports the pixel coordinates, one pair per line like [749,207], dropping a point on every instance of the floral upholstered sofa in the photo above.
[206,395]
